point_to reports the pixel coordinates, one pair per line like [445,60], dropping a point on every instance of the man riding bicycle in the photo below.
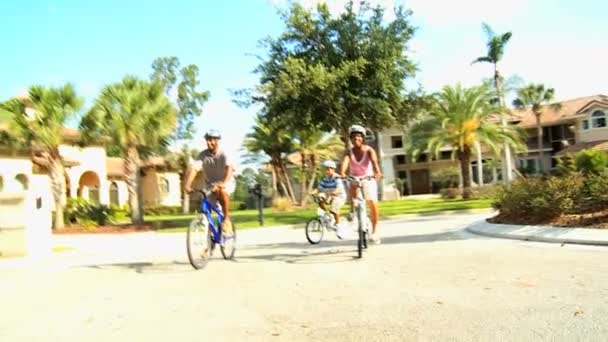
[362,161]
[217,169]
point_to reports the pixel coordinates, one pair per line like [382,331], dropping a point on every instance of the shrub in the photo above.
[591,161]
[450,193]
[160,210]
[281,204]
[238,205]
[85,213]
[595,191]
[542,198]
[485,192]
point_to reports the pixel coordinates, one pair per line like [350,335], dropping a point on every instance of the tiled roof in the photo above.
[115,166]
[553,114]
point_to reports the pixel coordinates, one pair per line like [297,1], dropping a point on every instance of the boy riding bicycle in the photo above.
[331,187]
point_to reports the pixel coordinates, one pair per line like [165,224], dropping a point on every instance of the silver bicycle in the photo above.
[360,207]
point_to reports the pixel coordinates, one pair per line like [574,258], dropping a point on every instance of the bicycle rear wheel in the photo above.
[361,240]
[228,245]
[199,244]
[314,231]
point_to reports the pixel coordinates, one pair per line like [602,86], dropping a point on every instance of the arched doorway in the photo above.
[88,186]
[114,194]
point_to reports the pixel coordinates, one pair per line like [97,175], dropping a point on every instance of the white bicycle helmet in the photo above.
[329,164]
[213,133]
[357,129]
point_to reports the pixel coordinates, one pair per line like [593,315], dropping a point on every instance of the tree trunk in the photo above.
[57,178]
[185,196]
[303,179]
[275,188]
[313,176]
[465,159]
[507,166]
[288,182]
[479,164]
[131,162]
[539,141]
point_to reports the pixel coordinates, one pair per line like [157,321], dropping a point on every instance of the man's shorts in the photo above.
[229,189]
[370,190]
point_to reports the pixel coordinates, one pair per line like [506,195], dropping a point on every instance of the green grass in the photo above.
[246,219]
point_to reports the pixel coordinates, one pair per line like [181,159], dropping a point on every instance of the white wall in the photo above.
[173,197]
[592,134]
[92,159]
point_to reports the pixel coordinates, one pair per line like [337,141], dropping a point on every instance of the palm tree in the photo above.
[496,48]
[137,115]
[274,141]
[312,147]
[461,117]
[534,96]
[38,124]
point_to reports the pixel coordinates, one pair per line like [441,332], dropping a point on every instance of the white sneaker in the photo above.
[342,231]
[375,238]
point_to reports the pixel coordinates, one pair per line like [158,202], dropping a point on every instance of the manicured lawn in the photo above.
[245,219]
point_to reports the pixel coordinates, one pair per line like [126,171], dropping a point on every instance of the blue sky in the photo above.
[561,43]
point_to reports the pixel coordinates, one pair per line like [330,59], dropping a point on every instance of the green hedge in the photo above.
[540,198]
[161,210]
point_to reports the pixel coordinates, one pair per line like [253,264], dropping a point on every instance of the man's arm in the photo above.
[227,175]
[374,158]
[191,175]
[344,164]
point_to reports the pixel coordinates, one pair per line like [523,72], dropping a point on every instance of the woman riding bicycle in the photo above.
[362,161]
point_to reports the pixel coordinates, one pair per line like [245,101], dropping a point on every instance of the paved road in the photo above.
[429,280]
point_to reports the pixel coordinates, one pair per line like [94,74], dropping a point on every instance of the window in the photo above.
[22,179]
[396,141]
[446,155]
[400,159]
[114,195]
[585,125]
[402,174]
[164,186]
[528,166]
[423,158]
[598,119]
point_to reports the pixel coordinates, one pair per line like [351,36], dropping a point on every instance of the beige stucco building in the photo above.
[89,174]
[570,127]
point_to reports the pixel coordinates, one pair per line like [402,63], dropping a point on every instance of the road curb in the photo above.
[579,236]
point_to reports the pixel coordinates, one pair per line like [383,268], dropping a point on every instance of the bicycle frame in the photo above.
[207,209]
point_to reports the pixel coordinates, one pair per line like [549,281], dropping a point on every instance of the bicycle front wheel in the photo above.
[228,245]
[314,231]
[199,244]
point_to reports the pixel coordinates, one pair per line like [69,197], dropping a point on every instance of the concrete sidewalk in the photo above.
[584,236]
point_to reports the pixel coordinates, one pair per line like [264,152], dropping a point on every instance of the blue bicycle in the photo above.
[204,233]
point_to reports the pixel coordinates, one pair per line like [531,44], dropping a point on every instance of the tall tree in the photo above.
[138,117]
[274,141]
[38,124]
[496,44]
[313,147]
[460,118]
[534,96]
[329,72]
[190,100]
